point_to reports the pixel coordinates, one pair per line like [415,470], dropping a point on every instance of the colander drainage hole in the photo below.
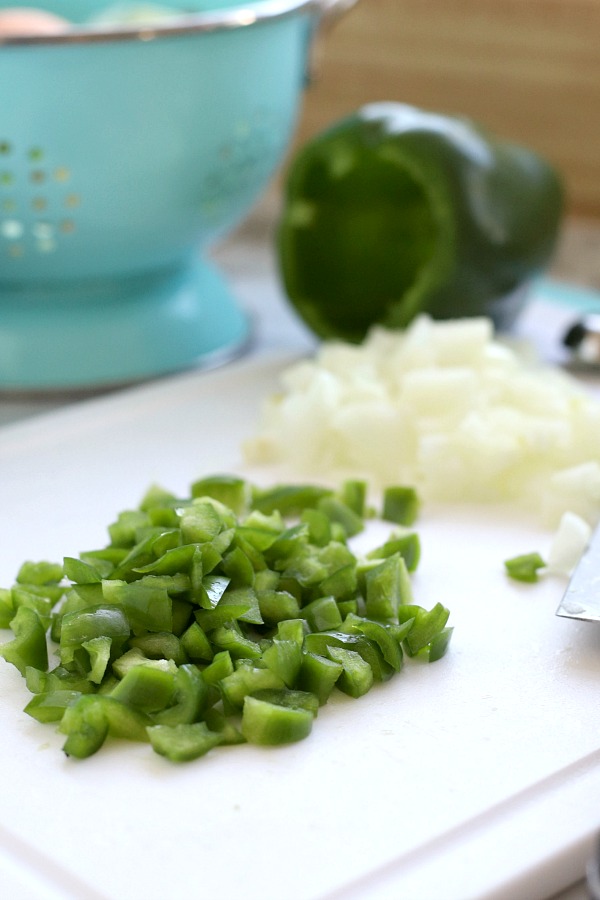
[35,211]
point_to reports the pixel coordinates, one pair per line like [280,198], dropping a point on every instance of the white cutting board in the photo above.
[475,777]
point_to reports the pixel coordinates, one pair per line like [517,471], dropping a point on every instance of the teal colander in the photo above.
[125,152]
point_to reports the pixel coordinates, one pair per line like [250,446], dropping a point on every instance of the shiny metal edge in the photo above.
[581,599]
[192,23]
[593,873]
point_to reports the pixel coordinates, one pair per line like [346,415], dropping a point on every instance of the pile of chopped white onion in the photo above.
[445,407]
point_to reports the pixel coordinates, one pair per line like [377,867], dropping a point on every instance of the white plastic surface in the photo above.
[474,778]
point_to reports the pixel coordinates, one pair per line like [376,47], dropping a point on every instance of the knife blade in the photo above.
[581,599]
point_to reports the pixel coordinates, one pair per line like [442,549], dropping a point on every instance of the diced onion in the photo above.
[568,544]
[446,407]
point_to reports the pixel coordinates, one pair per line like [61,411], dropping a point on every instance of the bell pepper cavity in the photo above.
[227,617]
[396,211]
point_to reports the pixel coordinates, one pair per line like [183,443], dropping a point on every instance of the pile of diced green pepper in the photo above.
[225,617]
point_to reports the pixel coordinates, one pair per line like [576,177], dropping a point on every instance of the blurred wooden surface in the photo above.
[527,69]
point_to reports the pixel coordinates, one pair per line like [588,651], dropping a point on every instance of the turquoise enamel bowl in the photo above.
[124,154]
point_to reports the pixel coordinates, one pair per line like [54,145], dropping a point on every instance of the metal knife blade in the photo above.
[582,597]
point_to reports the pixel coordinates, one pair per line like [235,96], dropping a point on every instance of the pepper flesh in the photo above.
[396,211]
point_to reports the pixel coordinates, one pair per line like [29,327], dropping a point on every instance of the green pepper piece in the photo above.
[524,567]
[353,493]
[387,586]
[381,634]
[305,567]
[407,545]
[196,644]
[220,667]
[293,699]
[191,694]
[238,568]
[50,591]
[284,658]
[122,532]
[321,642]
[277,606]
[439,644]
[7,607]
[229,637]
[135,657]
[160,645]
[86,726]
[140,555]
[239,604]
[28,647]
[232,491]
[319,526]
[427,625]
[339,513]
[147,606]
[171,562]
[98,649]
[395,211]
[270,724]
[226,729]
[210,590]
[257,538]
[156,496]
[289,499]
[145,688]
[49,706]
[112,556]
[200,522]
[287,544]
[80,571]
[82,625]
[59,679]
[39,573]
[318,675]
[356,678]
[247,680]
[400,505]
[291,630]
[182,743]
[346,607]
[41,605]
[322,614]
[182,612]
[89,720]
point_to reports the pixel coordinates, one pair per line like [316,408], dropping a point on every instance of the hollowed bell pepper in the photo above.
[396,211]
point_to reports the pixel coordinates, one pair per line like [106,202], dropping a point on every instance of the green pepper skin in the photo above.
[396,211]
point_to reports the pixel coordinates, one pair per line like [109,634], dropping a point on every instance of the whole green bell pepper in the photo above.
[395,211]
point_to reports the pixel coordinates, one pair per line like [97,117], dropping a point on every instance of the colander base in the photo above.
[83,337]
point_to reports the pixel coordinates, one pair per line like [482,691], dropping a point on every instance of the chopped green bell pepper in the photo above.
[524,567]
[396,211]
[199,627]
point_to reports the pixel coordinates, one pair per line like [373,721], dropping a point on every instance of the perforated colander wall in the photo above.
[37,201]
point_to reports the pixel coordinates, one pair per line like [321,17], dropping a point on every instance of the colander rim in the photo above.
[240,16]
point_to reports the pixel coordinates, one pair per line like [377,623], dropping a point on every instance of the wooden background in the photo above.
[527,69]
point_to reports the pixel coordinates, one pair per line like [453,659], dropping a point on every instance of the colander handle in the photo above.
[328,13]
[331,10]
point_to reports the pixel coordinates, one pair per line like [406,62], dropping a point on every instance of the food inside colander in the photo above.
[25,21]
[21,21]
